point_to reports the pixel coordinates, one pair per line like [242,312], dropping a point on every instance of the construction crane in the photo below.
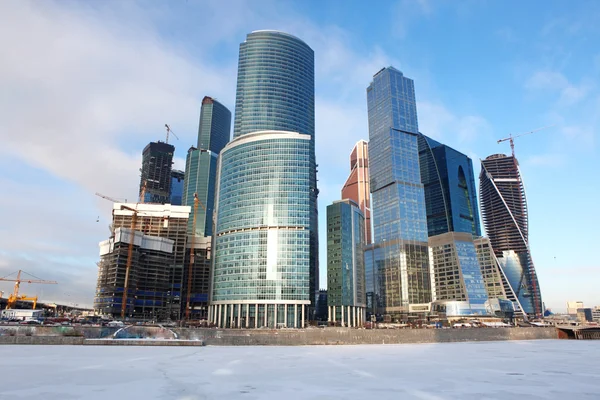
[169,130]
[14,297]
[189,282]
[109,198]
[511,138]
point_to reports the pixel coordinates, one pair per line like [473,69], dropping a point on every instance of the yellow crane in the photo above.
[511,138]
[14,297]
[169,130]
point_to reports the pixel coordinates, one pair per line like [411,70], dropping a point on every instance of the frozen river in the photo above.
[545,369]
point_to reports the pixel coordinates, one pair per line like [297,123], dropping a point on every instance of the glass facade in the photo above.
[201,163]
[345,259]
[266,240]
[399,214]
[177,178]
[505,217]
[449,182]
[275,86]
[455,272]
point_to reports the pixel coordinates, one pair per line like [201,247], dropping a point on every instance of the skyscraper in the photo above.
[345,263]
[157,162]
[265,268]
[177,178]
[457,281]
[399,214]
[214,130]
[449,182]
[504,212]
[357,185]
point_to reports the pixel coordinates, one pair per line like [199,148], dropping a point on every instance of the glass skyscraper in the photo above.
[505,217]
[214,130]
[345,263]
[357,185]
[265,248]
[449,182]
[398,199]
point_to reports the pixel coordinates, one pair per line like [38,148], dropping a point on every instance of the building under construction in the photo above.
[156,275]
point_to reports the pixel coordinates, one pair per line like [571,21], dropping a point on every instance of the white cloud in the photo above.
[551,81]
[436,121]
[547,160]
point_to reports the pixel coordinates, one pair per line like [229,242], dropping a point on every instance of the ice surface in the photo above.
[545,369]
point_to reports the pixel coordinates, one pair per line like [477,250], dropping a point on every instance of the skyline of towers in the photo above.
[266,241]
[506,221]
[357,185]
[398,198]
[214,130]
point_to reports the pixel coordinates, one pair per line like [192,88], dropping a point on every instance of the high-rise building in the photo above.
[155,182]
[573,306]
[265,248]
[456,277]
[357,185]
[214,130]
[156,275]
[504,213]
[398,199]
[492,275]
[177,178]
[449,182]
[345,263]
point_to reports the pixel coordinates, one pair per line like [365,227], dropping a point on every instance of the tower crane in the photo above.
[14,297]
[189,282]
[169,130]
[511,138]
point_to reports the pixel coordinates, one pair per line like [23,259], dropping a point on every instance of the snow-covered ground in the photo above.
[545,369]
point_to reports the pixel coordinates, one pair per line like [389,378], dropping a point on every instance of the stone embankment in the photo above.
[155,336]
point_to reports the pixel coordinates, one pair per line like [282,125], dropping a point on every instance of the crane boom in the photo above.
[169,130]
[511,137]
[14,297]
[109,198]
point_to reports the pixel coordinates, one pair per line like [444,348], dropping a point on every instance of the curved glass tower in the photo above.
[504,213]
[265,241]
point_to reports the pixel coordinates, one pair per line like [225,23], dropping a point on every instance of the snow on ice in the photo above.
[545,369]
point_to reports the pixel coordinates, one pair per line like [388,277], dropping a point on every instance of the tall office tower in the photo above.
[157,162]
[399,215]
[177,178]
[449,181]
[357,185]
[265,271]
[214,130]
[345,263]
[456,279]
[156,275]
[504,212]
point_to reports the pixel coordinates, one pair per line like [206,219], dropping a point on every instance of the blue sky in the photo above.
[85,85]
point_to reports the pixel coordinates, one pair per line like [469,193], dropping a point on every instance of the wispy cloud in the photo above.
[437,121]
[552,81]
[547,160]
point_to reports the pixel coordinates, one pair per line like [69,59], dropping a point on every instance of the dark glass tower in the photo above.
[214,131]
[399,214]
[450,196]
[265,269]
[157,162]
[177,178]
[504,212]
